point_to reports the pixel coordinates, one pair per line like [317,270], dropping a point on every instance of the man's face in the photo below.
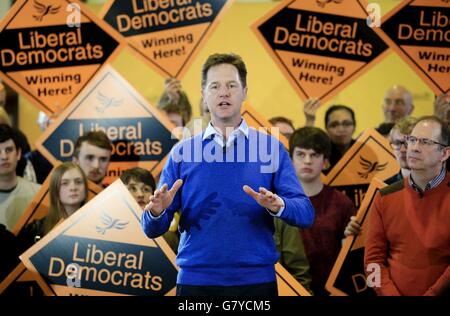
[396,105]
[94,161]
[399,147]
[340,127]
[9,156]
[426,157]
[285,129]
[72,191]
[308,164]
[223,93]
[140,191]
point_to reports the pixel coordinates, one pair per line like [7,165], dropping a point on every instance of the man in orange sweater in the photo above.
[409,231]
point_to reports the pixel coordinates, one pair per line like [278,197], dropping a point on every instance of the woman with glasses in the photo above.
[340,125]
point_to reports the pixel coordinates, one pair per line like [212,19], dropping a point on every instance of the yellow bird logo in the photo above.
[370,167]
[43,10]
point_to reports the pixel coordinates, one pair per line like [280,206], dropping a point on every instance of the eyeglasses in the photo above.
[397,144]
[345,124]
[411,140]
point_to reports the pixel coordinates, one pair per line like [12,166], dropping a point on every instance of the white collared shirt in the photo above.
[240,131]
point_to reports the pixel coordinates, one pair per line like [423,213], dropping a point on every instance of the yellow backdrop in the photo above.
[269,91]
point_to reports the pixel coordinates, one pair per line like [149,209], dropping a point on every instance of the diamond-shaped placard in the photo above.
[320,46]
[141,135]
[419,31]
[47,60]
[166,34]
[102,250]
[370,156]
[348,274]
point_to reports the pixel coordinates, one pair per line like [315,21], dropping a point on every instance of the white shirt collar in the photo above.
[210,131]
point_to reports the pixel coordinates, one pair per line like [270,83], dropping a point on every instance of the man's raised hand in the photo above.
[265,198]
[162,198]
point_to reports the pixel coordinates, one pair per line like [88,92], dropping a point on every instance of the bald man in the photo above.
[397,104]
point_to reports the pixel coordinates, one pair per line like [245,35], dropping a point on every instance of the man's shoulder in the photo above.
[393,188]
[27,185]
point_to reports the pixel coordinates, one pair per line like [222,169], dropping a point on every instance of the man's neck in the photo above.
[226,127]
[313,188]
[422,177]
[405,172]
[8,182]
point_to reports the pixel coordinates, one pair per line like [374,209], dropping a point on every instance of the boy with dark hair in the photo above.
[141,184]
[15,192]
[310,149]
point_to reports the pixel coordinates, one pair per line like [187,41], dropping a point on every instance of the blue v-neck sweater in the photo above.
[226,236]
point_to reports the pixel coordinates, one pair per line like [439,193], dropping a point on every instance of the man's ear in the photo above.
[445,154]
[75,159]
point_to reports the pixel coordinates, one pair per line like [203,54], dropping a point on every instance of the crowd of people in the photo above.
[229,223]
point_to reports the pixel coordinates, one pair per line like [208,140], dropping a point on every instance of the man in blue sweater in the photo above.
[228,182]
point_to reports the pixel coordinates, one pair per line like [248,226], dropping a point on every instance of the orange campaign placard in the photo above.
[320,46]
[102,250]
[348,274]
[258,122]
[370,156]
[50,50]
[141,135]
[166,34]
[287,284]
[419,31]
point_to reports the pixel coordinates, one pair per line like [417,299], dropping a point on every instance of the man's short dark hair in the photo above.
[7,133]
[444,127]
[232,59]
[281,119]
[140,175]
[96,138]
[311,138]
[337,107]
